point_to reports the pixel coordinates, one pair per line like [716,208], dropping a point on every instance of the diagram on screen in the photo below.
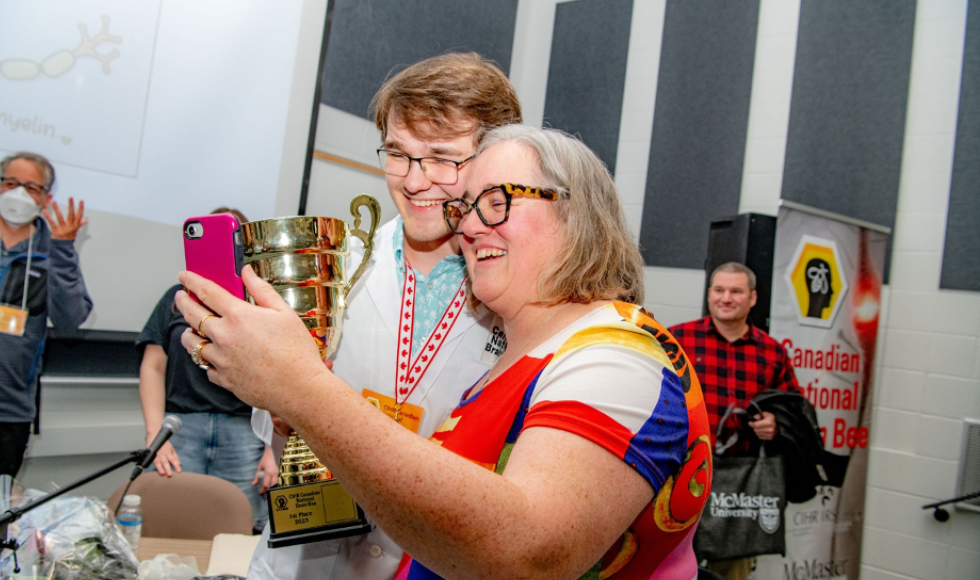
[61,61]
[75,79]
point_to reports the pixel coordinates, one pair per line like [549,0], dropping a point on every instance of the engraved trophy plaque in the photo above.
[305,259]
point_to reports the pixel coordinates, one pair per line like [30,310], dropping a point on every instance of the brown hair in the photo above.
[40,160]
[447,96]
[239,215]
[734,268]
[599,259]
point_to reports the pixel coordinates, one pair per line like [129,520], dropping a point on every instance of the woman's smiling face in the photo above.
[505,262]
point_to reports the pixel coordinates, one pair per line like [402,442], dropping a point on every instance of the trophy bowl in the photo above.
[304,258]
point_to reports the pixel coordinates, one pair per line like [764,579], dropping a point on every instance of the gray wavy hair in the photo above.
[40,160]
[600,259]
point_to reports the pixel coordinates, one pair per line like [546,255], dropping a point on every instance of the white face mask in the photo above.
[17,207]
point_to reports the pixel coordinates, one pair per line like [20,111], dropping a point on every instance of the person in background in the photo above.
[40,280]
[582,452]
[431,117]
[216,435]
[735,361]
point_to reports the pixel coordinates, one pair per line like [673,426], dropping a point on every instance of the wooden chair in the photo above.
[189,506]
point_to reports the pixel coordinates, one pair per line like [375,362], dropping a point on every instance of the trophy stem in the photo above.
[299,464]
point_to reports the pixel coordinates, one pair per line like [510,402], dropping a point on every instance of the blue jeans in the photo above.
[223,446]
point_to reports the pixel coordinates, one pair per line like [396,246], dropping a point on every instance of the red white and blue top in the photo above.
[617,378]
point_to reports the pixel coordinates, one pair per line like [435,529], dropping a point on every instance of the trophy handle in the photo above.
[366,237]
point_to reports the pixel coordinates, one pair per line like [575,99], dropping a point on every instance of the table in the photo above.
[200,549]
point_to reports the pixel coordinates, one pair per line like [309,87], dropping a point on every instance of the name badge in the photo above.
[496,344]
[12,320]
[407,415]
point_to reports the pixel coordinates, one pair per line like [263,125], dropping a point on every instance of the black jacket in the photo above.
[798,441]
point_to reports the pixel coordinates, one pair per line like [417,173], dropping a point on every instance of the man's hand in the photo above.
[166,461]
[66,228]
[764,426]
[267,473]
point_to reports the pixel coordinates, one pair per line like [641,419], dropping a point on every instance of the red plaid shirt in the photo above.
[733,371]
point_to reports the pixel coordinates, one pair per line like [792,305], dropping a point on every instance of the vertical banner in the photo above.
[826,296]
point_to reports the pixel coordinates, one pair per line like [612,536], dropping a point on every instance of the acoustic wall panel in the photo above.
[587,72]
[961,268]
[697,147]
[847,113]
[368,40]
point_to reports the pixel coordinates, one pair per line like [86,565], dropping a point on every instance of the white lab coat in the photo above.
[366,359]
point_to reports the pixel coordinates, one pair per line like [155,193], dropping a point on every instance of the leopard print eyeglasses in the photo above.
[493,204]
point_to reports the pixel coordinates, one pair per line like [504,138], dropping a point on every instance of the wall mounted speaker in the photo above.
[750,239]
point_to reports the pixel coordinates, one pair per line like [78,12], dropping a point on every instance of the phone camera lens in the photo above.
[193,230]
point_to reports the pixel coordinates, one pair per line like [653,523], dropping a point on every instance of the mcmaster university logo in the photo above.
[769,519]
[763,509]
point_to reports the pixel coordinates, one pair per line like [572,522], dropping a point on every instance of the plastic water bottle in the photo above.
[130,518]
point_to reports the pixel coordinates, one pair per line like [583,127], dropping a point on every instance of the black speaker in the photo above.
[750,239]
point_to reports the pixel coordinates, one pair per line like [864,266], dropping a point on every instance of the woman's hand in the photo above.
[261,352]
[167,462]
[267,473]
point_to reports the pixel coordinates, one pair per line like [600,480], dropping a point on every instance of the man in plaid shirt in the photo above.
[734,361]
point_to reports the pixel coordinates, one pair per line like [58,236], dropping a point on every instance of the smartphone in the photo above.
[213,248]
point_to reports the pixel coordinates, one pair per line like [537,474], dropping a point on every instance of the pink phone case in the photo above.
[213,249]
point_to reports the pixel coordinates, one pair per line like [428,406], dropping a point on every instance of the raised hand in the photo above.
[66,228]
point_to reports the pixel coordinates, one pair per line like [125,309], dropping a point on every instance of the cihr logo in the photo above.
[282,504]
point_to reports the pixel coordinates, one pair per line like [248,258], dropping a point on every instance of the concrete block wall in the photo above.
[928,377]
[929,380]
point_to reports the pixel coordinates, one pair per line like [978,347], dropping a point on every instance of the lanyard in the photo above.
[409,372]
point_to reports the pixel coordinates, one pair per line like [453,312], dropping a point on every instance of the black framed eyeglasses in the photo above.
[31,187]
[493,204]
[436,169]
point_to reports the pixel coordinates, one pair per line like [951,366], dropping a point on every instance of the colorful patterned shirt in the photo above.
[433,293]
[618,379]
[733,372]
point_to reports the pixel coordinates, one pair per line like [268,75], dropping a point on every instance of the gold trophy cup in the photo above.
[305,259]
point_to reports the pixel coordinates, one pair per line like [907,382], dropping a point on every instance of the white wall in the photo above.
[85,427]
[332,185]
[930,371]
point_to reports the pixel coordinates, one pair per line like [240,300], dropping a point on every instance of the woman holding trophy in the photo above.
[584,448]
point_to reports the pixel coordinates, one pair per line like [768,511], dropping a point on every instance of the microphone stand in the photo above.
[13,514]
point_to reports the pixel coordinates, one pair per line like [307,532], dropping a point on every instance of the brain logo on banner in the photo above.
[816,281]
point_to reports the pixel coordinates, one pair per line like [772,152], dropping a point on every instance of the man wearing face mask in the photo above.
[40,279]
